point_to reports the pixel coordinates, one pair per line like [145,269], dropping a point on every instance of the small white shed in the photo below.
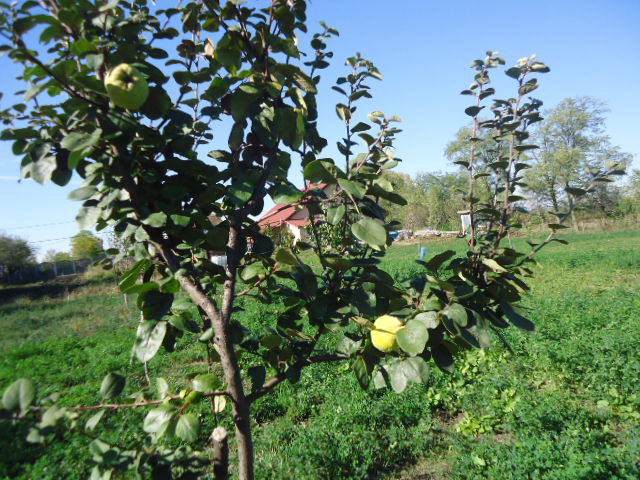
[465,219]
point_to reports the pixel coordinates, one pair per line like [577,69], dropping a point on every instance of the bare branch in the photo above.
[118,406]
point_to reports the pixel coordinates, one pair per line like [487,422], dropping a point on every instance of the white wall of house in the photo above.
[297,232]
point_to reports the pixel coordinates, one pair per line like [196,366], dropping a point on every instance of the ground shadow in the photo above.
[58,287]
[17,452]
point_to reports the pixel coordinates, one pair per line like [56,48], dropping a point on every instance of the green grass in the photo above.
[564,406]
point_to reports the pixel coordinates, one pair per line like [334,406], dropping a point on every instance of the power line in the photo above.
[50,240]
[65,238]
[36,226]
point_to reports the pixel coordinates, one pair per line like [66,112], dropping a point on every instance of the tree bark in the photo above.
[554,200]
[230,367]
[229,360]
[220,319]
[572,205]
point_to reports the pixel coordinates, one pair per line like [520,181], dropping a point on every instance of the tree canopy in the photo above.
[15,253]
[573,147]
[55,256]
[86,245]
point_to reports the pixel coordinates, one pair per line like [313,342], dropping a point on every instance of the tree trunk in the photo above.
[554,201]
[572,212]
[229,359]
[231,369]
[220,321]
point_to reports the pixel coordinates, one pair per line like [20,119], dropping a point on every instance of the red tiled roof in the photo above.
[283,213]
[301,222]
[277,215]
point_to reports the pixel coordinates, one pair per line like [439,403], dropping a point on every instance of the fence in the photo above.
[43,271]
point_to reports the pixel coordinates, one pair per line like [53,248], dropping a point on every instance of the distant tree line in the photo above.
[432,199]
[574,147]
[17,254]
[83,245]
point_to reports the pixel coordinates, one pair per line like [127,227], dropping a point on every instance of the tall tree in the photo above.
[487,149]
[15,253]
[573,149]
[442,192]
[55,256]
[632,189]
[414,214]
[605,196]
[86,245]
[628,204]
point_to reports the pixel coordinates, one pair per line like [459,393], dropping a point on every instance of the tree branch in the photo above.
[67,88]
[195,291]
[271,384]
[118,406]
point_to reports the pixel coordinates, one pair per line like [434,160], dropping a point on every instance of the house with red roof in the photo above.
[293,218]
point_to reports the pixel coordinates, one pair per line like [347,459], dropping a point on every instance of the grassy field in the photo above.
[565,405]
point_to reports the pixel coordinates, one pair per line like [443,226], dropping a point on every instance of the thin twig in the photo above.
[118,406]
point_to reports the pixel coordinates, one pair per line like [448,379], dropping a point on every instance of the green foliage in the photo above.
[86,245]
[243,68]
[14,253]
[333,236]
[567,170]
[97,273]
[629,203]
[573,150]
[443,198]
[281,237]
[409,215]
[53,256]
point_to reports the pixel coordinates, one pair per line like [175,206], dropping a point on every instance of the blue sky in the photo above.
[423,49]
